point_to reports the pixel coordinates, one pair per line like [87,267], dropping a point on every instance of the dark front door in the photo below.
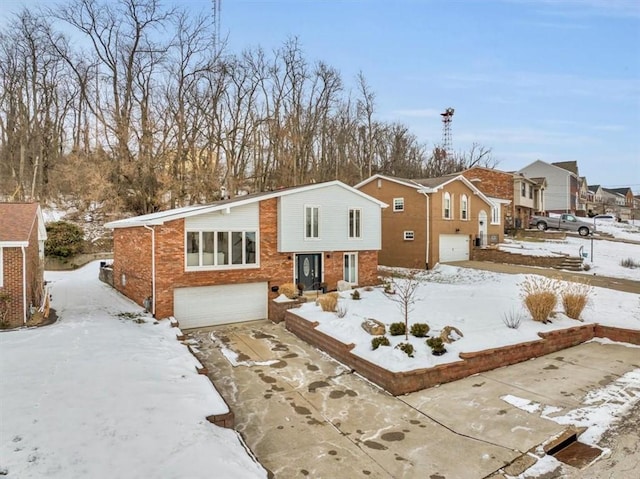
[308,270]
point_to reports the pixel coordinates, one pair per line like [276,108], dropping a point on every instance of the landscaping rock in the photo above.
[373,327]
[450,334]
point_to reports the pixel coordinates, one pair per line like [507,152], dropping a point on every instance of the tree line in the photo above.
[135,106]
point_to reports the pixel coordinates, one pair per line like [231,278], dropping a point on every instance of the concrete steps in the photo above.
[571,263]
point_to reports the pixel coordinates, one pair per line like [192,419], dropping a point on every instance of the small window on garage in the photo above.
[398,204]
[408,235]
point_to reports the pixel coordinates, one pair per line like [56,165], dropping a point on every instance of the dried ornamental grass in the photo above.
[575,297]
[327,302]
[539,297]
[289,290]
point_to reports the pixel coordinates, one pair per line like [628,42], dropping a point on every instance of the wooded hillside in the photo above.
[146,111]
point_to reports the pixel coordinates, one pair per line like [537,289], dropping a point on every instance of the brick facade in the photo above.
[496,184]
[132,253]
[13,279]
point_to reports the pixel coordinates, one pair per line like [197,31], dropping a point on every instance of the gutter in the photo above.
[425,192]
[24,285]
[153,269]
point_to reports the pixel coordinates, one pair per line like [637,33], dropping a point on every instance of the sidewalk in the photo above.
[619,284]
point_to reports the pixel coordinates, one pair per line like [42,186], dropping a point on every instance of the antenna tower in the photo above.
[447,116]
[217,13]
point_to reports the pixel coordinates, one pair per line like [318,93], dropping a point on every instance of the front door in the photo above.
[309,271]
[482,228]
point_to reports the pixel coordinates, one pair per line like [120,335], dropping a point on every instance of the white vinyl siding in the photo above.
[333,221]
[245,217]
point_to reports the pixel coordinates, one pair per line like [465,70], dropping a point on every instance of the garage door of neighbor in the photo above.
[454,248]
[202,306]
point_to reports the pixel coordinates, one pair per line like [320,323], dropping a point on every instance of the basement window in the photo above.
[408,235]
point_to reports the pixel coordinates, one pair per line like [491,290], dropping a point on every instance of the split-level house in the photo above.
[223,262]
[562,191]
[433,220]
[22,237]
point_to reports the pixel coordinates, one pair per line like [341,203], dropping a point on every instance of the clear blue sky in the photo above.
[555,80]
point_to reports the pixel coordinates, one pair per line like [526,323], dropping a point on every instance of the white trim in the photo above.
[317,223]
[162,217]
[354,254]
[401,206]
[357,223]
[409,235]
[215,266]
[464,199]
[447,196]
[14,244]
[153,269]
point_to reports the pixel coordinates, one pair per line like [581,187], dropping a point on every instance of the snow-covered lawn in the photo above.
[101,394]
[475,302]
[605,260]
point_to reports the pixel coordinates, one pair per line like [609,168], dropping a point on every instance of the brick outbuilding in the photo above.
[22,237]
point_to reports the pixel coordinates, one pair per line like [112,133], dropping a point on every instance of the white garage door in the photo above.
[211,305]
[454,248]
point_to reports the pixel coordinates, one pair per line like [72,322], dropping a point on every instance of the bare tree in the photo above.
[406,287]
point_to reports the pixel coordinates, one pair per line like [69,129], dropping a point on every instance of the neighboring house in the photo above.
[526,195]
[595,204]
[618,201]
[562,192]
[22,237]
[222,262]
[433,220]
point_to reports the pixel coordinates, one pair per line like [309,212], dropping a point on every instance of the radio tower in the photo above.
[447,116]
[217,13]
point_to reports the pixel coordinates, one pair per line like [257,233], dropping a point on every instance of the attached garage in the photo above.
[454,248]
[202,306]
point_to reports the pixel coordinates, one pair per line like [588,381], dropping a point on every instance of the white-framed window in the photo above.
[408,235]
[530,192]
[351,267]
[523,189]
[312,222]
[221,249]
[1,268]
[398,204]
[495,214]
[446,206]
[464,207]
[355,223]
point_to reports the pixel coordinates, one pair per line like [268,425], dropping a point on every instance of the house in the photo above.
[618,201]
[525,194]
[562,192]
[22,237]
[433,220]
[223,262]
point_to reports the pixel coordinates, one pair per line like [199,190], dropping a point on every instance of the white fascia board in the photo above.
[13,244]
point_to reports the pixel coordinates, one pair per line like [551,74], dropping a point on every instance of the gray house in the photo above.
[562,192]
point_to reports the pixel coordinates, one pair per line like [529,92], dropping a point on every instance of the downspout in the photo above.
[153,269]
[427,248]
[24,284]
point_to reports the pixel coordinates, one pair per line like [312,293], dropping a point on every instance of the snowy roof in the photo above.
[163,216]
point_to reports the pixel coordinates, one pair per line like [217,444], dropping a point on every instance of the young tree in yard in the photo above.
[405,295]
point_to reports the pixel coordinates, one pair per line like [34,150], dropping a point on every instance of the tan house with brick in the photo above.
[22,237]
[223,262]
[433,220]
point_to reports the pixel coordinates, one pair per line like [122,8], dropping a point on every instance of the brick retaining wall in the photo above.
[500,256]
[469,364]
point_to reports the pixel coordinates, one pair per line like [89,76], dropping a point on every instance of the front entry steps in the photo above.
[571,263]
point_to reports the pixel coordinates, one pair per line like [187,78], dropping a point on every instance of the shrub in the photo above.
[328,302]
[419,330]
[407,348]
[629,263]
[341,310]
[512,319]
[63,239]
[539,297]
[379,341]
[575,297]
[436,344]
[396,329]
[355,294]
[5,299]
[289,290]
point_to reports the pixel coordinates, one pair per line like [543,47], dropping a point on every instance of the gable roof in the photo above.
[18,221]
[429,185]
[622,191]
[162,217]
[552,165]
[571,166]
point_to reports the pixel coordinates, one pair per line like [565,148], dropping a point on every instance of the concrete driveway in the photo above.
[305,415]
